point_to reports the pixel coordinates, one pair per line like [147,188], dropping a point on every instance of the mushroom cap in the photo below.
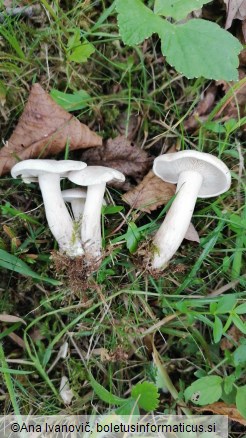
[70,195]
[216,175]
[30,170]
[95,175]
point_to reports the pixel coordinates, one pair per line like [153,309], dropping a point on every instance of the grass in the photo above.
[113,329]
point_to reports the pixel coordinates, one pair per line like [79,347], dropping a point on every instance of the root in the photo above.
[75,272]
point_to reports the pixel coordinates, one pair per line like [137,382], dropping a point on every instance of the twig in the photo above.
[226,287]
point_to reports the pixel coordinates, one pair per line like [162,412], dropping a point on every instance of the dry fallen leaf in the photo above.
[235,9]
[130,126]
[65,392]
[235,334]
[11,318]
[150,194]
[203,108]
[17,339]
[220,408]
[122,155]
[192,234]
[238,99]
[44,129]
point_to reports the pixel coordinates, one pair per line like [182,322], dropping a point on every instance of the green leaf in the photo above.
[81,53]
[12,371]
[217,329]
[104,394]
[11,262]
[112,209]
[229,383]
[240,400]
[71,102]
[196,48]
[241,309]
[133,236]
[201,48]
[239,324]
[146,394]
[178,9]
[129,408]
[216,127]
[239,355]
[226,304]
[137,22]
[205,390]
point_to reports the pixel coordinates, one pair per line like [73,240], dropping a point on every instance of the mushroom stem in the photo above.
[172,232]
[58,218]
[77,208]
[91,222]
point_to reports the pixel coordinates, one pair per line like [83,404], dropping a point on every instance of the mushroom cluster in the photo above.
[78,231]
[79,235]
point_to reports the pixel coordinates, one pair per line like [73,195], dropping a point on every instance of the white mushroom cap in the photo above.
[216,175]
[70,195]
[30,170]
[95,175]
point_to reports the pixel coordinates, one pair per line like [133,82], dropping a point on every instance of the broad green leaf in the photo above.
[239,355]
[240,400]
[228,383]
[217,329]
[147,396]
[201,48]
[81,53]
[216,127]
[112,209]
[241,309]
[71,102]
[129,408]
[205,390]
[13,263]
[196,48]
[137,22]
[178,9]
[133,236]
[104,394]
[226,304]
[239,324]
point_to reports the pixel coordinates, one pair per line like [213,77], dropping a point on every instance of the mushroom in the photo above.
[197,174]
[48,174]
[77,199]
[95,178]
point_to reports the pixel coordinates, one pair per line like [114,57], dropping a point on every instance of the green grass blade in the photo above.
[13,263]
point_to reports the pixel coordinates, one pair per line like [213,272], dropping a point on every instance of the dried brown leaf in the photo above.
[220,408]
[129,126]
[44,129]
[202,109]
[192,234]
[235,9]
[235,335]
[150,194]
[11,318]
[122,155]
[237,101]
[15,338]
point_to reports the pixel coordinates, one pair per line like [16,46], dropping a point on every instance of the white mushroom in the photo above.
[197,174]
[48,174]
[95,178]
[77,199]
